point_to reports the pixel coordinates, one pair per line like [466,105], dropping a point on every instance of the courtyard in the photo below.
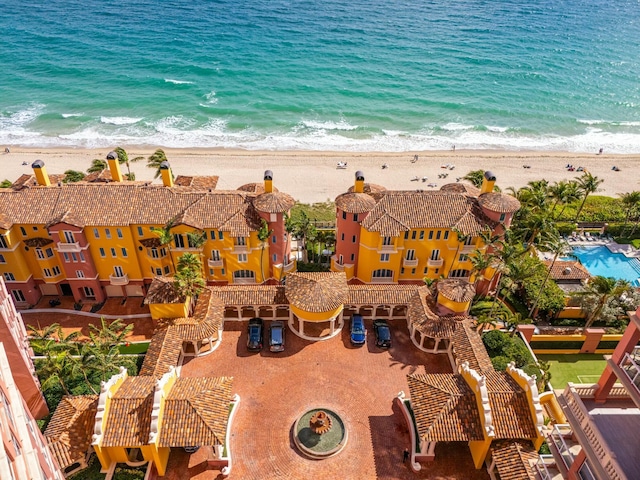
[357,383]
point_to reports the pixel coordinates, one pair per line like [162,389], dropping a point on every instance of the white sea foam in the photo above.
[493,128]
[329,125]
[22,117]
[178,82]
[605,122]
[210,98]
[455,127]
[119,120]
[71,115]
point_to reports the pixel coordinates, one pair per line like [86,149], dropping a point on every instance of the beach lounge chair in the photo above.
[341,165]
[415,179]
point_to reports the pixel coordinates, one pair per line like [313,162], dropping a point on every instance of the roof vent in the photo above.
[268,175]
[359,175]
[489,176]
[164,165]
[566,271]
[112,155]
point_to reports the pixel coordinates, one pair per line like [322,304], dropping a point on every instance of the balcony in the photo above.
[240,249]
[215,263]
[547,469]
[69,247]
[406,262]
[243,281]
[467,249]
[387,248]
[289,266]
[628,372]
[123,280]
[435,263]
[382,280]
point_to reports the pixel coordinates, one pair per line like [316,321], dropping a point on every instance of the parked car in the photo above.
[358,333]
[276,336]
[383,333]
[254,337]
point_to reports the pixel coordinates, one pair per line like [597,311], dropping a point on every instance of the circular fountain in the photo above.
[320,433]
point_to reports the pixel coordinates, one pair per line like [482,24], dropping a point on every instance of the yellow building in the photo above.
[404,236]
[109,238]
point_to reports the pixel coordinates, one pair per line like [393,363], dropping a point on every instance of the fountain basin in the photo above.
[315,445]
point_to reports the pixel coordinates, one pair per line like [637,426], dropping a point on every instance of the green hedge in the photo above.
[607,345]
[563,345]
[134,348]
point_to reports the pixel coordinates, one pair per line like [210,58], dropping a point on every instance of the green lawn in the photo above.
[576,368]
[134,348]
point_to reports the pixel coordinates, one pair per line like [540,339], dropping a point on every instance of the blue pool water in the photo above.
[600,261]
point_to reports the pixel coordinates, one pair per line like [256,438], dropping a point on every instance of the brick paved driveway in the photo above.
[357,383]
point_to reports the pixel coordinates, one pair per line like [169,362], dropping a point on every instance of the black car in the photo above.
[276,336]
[254,337]
[358,333]
[383,333]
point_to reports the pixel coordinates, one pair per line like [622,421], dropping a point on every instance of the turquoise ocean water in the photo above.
[322,74]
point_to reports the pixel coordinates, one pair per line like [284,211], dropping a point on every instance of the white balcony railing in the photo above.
[467,249]
[630,365]
[215,263]
[240,249]
[406,262]
[69,247]
[542,466]
[243,281]
[435,263]
[387,248]
[119,280]
[289,266]
[557,436]
[382,280]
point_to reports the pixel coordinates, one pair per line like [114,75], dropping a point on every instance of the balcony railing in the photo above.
[406,262]
[467,249]
[69,247]
[435,263]
[243,281]
[289,266]
[544,461]
[119,280]
[630,365]
[387,248]
[240,249]
[382,280]
[557,436]
[215,263]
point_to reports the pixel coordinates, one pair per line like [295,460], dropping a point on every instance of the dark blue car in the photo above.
[254,337]
[383,333]
[358,333]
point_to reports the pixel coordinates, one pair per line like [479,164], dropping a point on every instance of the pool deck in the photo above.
[625,249]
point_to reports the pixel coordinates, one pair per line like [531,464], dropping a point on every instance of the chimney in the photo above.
[167,176]
[268,181]
[114,166]
[488,182]
[359,185]
[40,173]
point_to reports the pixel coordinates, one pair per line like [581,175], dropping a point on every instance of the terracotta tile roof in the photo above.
[370,188]
[421,314]
[71,427]
[355,202]
[150,242]
[380,294]
[317,291]
[129,417]
[515,460]
[37,242]
[567,270]
[101,176]
[444,407]
[29,180]
[509,407]
[163,353]
[499,202]
[205,322]
[196,412]
[255,187]
[273,202]
[162,290]
[456,289]
[251,294]
[199,182]
[397,212]
[5,221]
[465,188]
[468,347]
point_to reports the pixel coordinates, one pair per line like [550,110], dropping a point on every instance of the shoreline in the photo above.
[312,176]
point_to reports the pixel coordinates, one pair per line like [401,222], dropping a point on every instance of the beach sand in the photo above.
[312,176]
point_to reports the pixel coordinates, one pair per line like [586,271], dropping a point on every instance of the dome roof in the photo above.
[255,187]
[273,202]
[317,291]
[456,290]
[499,202]
[369,188]
[355,202]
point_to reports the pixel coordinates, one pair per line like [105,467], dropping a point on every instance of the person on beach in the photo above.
[6,150]
[453,148]
[600,151]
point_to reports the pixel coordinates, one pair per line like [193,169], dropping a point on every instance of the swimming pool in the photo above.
[600,261]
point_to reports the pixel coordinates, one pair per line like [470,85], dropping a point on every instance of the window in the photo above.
[167,270]
[242,241]
[463,257]
[430,234]
[273,239]
[469,241]
[79,274]
[18,296]
[117,271]
[81,256]
[355,217]
[113,252]
[154,252]
[436,271]
[140,231]
[9,277]
[23,231]
[96,233]
[88,292]
[47,272]
[273,217]
[211,272]
[411,255]
[459,273]
[220,236]
[68,237]
[56,271]
[119,232]
[244,274]
[382,273]
[124,252]
[275,258]
[74,257]
[158,271]
[242,257]
[384,257]
[39,253]
[107,233]
[49,252]
[178,240]
[438,234]
[204,234]
[413,235]
[222,271]
[353,239]
[406,235]
[402,271]
[163,252]
[503,216]
[387,241]
[342,237]
[426,270]
[35,229]
[2,260]
[215,255]
[3,242]
[421,234]
[66,256]
[340,260]
[190,241]
[353,257]
[102,254]
[344,215]
[446,235]
[435,254]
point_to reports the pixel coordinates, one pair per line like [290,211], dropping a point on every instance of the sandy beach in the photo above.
[312,176]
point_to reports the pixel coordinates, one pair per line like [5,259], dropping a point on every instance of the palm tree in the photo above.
[263,235]
[188,280]
[480,261]
[156,160]
[166,237]
[476,177]
[631,201]
[571,194]
[305,230]
[72,176]
[97,166]
[484,322]
[6,183]
[124,158]
[601,289]
[558,247]
[197,240]
[110,333]
[461,239]
[587,184]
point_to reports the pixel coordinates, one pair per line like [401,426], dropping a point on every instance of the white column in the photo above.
[421,341]
[333,325]
[301,326]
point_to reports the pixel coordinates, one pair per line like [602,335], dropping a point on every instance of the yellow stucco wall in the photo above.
[14,257]
[316,316]
[97,238]
[457,307]
[169,310]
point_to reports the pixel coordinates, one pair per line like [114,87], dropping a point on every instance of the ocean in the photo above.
[363,75]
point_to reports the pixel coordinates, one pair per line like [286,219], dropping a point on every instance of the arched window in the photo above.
[383,273]
[459,273]
[244,274]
